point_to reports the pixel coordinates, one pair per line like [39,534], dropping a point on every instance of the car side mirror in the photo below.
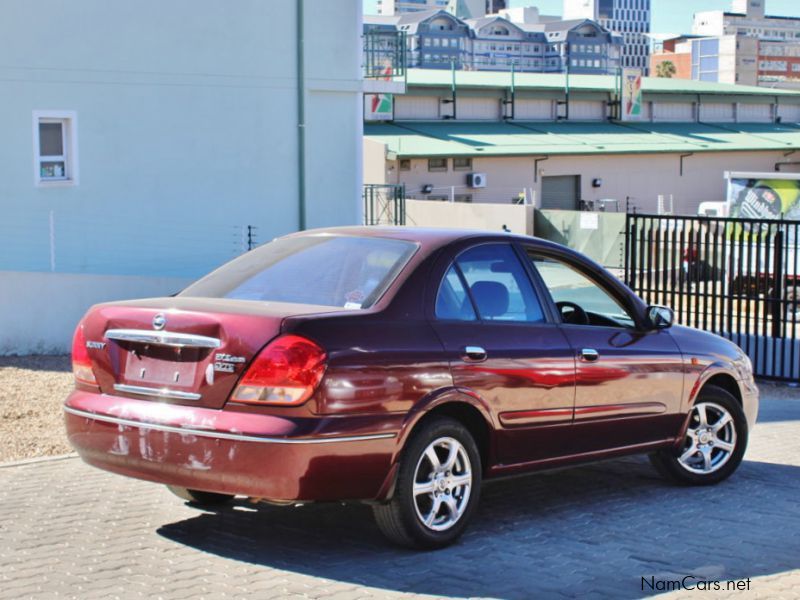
[660,317]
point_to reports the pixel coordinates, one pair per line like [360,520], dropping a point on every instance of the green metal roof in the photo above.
[596,83]
[429,139]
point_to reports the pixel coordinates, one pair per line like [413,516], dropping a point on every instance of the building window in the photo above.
[462,164]
[55,147]
[405,164]
[437,164]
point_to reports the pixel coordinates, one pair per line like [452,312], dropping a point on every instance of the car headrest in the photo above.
[491,298]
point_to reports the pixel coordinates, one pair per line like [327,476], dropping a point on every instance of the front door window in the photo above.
[580,299]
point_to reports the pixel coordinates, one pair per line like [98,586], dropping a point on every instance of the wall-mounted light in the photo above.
[597,182]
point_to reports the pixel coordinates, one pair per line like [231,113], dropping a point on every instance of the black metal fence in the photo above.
[384,54]
[384,204]
[735,277]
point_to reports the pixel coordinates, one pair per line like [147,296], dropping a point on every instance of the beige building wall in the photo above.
[375,165]
[637,177]
[490,217]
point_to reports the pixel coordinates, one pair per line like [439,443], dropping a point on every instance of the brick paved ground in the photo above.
[67,530]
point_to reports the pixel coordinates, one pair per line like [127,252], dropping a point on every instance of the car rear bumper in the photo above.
[261,456]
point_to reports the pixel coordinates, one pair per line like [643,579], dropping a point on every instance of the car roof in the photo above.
[428,236]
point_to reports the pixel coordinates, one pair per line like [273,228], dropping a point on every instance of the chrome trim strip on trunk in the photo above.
[222,434]
[156,392]
[163,338]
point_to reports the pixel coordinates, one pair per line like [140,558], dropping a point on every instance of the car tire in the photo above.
[436,511]
[199,497]
[714,444]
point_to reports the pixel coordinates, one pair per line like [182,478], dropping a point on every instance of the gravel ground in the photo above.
[32,389]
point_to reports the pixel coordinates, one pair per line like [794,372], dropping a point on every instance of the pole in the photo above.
[301,116]
[513,88]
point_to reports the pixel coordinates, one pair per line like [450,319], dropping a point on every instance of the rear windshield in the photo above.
[326,270]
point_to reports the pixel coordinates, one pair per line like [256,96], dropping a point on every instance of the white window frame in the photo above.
[69,124]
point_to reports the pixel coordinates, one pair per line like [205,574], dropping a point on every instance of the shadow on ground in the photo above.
[596,529]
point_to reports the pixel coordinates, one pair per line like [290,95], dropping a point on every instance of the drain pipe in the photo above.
[301,117]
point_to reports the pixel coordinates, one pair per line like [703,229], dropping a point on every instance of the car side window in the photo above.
[452,301]
[498,284]
[580,300]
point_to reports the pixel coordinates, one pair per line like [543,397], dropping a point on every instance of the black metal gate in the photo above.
[384,204]
[735,277]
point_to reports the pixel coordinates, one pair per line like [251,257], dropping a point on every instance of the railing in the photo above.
[384,204]
[738,278]
[384,54]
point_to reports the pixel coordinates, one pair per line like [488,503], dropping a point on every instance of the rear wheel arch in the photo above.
[470,417]
[464,407]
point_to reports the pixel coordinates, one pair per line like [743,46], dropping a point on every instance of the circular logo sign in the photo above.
[159,321]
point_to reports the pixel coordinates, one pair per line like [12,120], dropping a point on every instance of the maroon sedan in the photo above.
[400,367]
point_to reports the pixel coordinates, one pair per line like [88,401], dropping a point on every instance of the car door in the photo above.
[629,379]
[504,347]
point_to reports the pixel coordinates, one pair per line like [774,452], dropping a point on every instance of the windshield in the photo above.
[326,270]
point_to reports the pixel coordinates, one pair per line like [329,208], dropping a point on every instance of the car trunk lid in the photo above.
[181,350]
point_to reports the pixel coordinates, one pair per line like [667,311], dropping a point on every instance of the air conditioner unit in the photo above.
[476,180]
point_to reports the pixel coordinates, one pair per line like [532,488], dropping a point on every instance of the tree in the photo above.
[665,69]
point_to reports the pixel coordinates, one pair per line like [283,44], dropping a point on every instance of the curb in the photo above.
[38,459]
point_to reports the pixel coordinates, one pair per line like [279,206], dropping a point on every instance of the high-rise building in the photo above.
[777,39]
[463,9]
[495,6]
[629,18]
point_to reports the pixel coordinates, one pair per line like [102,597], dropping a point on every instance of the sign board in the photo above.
[763,196]
[378,107]
[631,94]
[589,220]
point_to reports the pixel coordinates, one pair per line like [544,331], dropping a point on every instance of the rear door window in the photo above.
[498,286]
[325,270]
[453,302]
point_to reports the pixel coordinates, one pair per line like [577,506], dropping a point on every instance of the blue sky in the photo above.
[669,16]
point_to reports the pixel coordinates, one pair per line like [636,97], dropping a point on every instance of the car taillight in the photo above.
[81,363]
[286,373]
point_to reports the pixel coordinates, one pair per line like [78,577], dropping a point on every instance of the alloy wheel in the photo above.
[442,484]
[710,439]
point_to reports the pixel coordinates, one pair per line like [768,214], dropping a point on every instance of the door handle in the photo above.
[589,355]
[473,354]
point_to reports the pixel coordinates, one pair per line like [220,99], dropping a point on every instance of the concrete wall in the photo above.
[39,311]
[187,128]
[642,177]
[187,133]
[489,217]
[375,170]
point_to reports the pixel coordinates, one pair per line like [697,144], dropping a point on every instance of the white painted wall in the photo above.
[533,109]
[642,177]
[717,112]
[673,111]
[754,113]
[187,131]
[412,108]
[39,311]
[488,107]
[188,127]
